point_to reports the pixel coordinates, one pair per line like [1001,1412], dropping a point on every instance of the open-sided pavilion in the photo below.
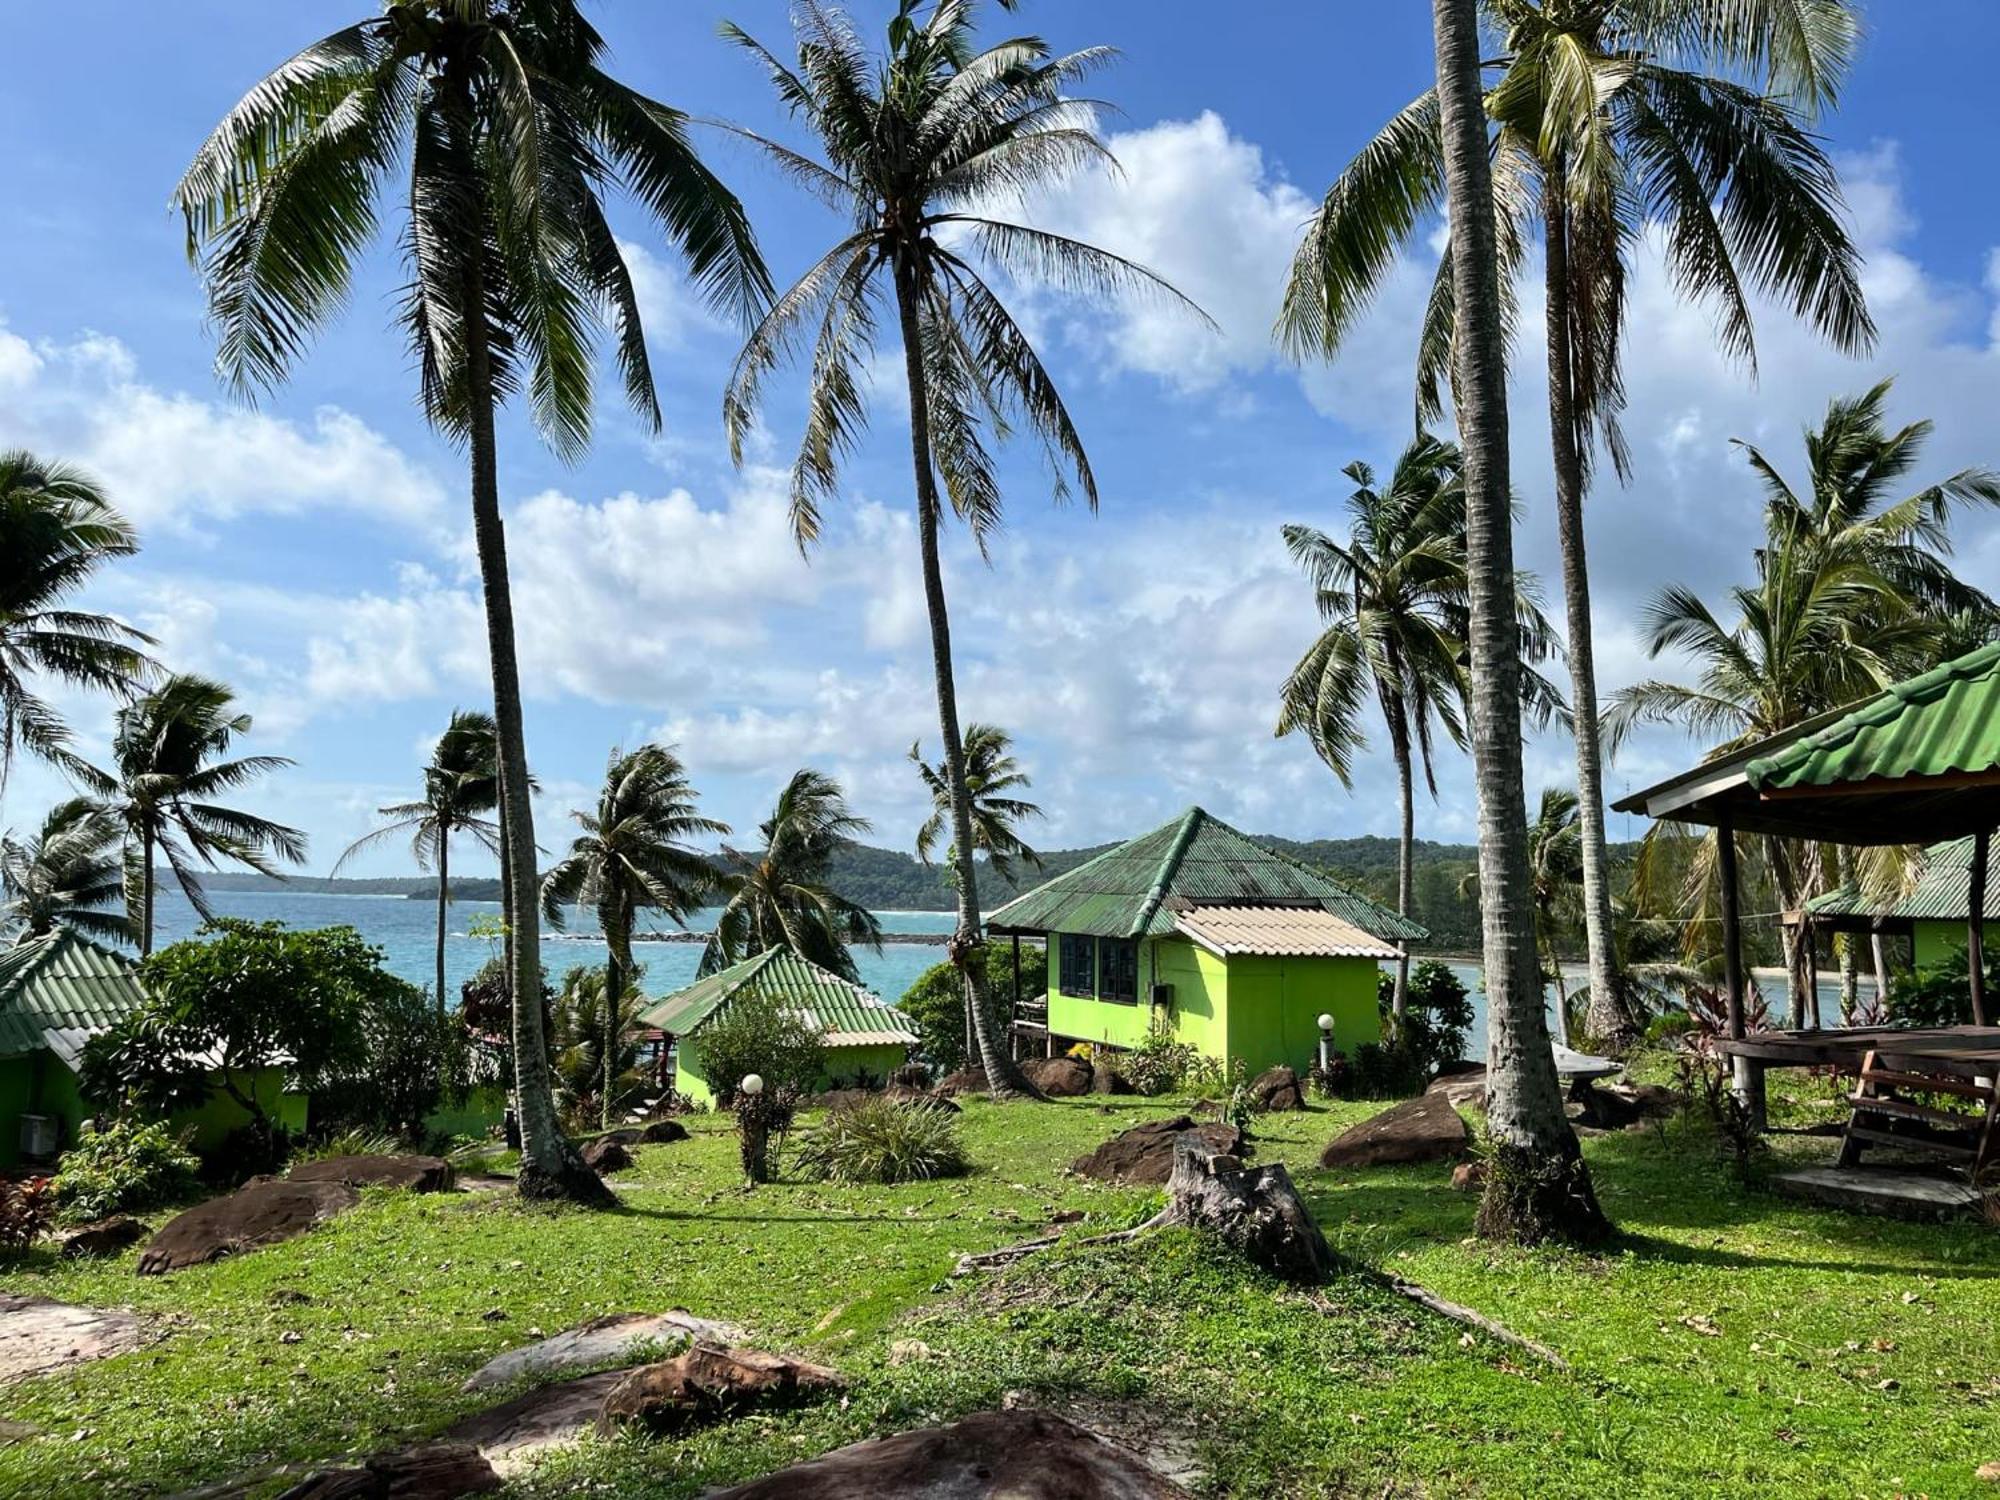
[1914,764]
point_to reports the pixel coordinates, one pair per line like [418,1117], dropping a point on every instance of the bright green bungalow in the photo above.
[866,1038]
[1933,916]
[56,993]
[1221,943]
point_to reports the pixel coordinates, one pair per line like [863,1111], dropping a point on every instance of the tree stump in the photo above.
[1254,1210]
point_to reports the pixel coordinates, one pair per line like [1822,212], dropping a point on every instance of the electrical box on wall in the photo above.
[1163,996]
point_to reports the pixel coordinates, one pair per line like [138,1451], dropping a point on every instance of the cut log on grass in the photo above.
[1254,1210]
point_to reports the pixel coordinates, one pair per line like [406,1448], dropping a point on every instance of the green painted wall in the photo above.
[692,1079]
[483,1109]
[39,1085]
[17,1076]
[1275,1005]
[213,1121]
[1933,942]
[1199,1011]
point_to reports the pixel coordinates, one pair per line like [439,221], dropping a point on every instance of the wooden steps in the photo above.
[1883,1116]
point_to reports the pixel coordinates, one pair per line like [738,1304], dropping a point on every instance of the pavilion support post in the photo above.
[1749,1074]
[1014,1030]
[1975,928]
[1810,1006]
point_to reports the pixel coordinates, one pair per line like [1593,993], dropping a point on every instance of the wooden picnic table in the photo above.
[1846,1048]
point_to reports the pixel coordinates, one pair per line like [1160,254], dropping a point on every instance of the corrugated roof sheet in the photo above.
[1139,888]
[1280,932]
[1942,893]
[59,990]
[849,1014]
[1945,722]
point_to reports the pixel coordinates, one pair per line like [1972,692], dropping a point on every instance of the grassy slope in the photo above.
[1772,1384]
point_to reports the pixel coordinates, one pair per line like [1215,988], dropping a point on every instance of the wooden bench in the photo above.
[1885,1114]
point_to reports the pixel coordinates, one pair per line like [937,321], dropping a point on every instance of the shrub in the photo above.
[883,1140]
[1939,994]
[412,1061]
[1437,1015]
[935,1004]
[1159,1064]
[26,1208]
[765,1035]
[123,1168]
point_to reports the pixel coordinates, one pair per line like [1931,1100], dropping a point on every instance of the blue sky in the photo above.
[314,550]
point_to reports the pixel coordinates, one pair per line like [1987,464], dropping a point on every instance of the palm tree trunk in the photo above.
[1607,1015]
[1399,748]
[1878,951]
[1538,1185]
[1003,1074]
[617,964]
[550,1164]
[146,890]
[444,897]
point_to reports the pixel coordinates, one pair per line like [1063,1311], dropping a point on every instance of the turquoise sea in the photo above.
[405,931]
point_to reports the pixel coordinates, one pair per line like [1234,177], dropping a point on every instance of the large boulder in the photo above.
[258,1213]
[1277,1088]
[1105,1079]
[511,1435]
[993,1455]
[1145,1153]
[428,1471]
[605,1156]
[663,1132]
[1425,1128]
[1059,1077]
[601,1341]
[102,1237]
[419,1174]
[1464,1086]
[705,1383]
[964,1081]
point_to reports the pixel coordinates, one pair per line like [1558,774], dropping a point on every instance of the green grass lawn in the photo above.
[1728,1343]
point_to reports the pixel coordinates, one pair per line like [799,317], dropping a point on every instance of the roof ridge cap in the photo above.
[1169,863]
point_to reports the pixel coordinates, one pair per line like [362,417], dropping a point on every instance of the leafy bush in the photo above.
[883,1140]
[577,1040]
[1159,1064]
[412,1061]
[765,1035]
[123,1168]
[486,1007]
[26,1209]
[935,1004]
[233,1001]
[1939,994]
[1437,1015]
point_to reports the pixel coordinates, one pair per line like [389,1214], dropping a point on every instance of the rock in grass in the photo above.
[417,1174]
[706,1383]
[601,1341]
[102,1237]
[964,1081]
[258,1213]
[1277,1088]
[509,1436]
[994,1455]
[1059,1077]
[1145,1153]
[603,1156]
[428,1471]
[1425,1128]
[38,1336]
[662,1132]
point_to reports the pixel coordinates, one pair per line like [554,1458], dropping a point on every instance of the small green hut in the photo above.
[864,1034]
[1933,915]
[56,993]
[1217,941]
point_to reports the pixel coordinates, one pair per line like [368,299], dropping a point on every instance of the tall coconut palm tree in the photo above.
[917,147]
[168,764]
[58,528]
[1394,600]
[66,874]
[992,775]
[633,855]
[1608,117]
[1538,1186]
[460,787]
[781,894]
[1854,590]
[510,134]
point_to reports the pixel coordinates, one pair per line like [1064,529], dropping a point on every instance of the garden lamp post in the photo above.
[1325,1042]
[753,1128]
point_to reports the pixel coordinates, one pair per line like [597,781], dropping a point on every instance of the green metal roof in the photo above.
[1136,889]
[59,990]
[1943,892]
[1946,722]
[849,1014]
